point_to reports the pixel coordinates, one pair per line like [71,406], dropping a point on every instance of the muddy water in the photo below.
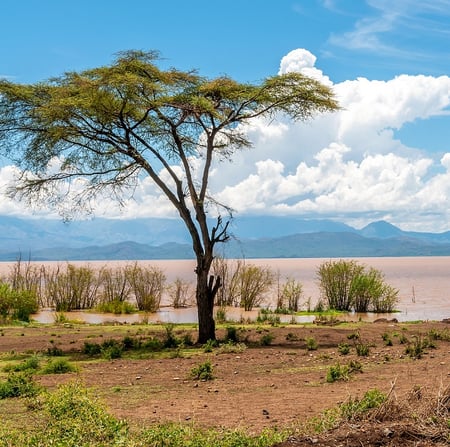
[423,283]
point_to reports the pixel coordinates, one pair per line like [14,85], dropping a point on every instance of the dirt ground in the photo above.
[279,385]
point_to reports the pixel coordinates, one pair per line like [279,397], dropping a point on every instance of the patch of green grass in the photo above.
[29,364]
[116,307]
[176,434]
[59,366]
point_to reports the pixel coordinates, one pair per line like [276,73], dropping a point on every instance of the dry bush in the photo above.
[249,283]
[147,285]
[72,288]
[114,285]
[181,293]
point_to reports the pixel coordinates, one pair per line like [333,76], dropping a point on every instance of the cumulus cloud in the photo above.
[303,61]
[351,163]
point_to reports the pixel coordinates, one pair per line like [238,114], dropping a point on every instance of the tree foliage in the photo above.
[97,132]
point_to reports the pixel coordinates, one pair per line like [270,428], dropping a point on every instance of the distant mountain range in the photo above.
[253,237]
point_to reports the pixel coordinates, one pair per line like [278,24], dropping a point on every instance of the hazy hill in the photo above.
[253,237]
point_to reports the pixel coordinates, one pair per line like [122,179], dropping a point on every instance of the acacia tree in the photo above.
[114,124]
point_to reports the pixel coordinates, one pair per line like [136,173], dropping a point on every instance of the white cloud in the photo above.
[302,61]
[370,107]
[350,163]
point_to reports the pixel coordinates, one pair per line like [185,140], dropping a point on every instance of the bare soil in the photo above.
[279,385]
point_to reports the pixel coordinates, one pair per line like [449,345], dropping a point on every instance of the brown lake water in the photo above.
[423,284]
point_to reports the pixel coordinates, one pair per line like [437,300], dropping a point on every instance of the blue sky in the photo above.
[385,156]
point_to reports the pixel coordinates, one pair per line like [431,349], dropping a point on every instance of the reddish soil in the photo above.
[281,385]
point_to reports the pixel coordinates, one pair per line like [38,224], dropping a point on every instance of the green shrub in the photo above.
[131,343]
[337,372]
[231,334]
[356,408]
[210,345]
[152,344]
[347,285]
[204,371]
[343,348]
[311,344]
[387,339]
[111,349]
[362,349]
[59,366]
[416,348]
[171,341]
[335,282]
[266,339]
[76,418]
[17,304]
[54,351]
[91,349]
[18,384]
[342,372]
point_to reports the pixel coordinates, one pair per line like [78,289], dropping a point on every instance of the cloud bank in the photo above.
[349,165]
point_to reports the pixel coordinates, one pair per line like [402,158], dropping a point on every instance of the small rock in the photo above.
[265,413]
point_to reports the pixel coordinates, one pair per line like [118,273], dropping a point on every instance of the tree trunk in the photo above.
[207,287]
